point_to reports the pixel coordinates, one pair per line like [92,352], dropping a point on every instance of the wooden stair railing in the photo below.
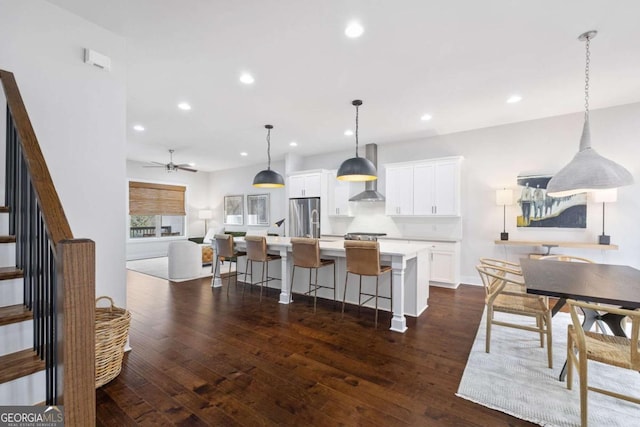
[59,271]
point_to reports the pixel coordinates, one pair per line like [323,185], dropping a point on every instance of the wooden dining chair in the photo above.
[506,268]
[363,259]
[257,252]
[306,254]
[498,298]
[225,251]
[502,264]
[613,350]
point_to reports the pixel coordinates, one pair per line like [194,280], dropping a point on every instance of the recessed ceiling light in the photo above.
[184,106]
[348,132]
[293,144]
[513,99]
[247,78]
[426,117]
[244,154]
[354,30]
[139,128]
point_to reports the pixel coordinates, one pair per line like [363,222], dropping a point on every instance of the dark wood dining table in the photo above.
[602,283]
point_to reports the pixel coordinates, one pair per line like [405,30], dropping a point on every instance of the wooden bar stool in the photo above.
[306,254]
[363,259]
[257,252]
[225,251]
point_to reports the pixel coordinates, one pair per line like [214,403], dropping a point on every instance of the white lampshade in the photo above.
[605,196]
[205,214]
[504,197]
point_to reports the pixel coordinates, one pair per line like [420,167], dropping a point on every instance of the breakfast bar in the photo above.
[410,269]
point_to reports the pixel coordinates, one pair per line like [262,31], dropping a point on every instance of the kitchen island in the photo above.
[410,269]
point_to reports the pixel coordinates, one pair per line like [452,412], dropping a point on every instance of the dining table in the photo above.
[611,284]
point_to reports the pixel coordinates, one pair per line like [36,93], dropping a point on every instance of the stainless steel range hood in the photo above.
[370,193]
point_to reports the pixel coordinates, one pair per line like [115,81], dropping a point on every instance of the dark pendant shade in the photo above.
[268,179]
[357,169]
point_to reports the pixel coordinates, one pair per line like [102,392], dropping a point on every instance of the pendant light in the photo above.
[268,178]
[357,168]
[588,171]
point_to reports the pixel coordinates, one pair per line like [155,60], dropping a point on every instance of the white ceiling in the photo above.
[458,60]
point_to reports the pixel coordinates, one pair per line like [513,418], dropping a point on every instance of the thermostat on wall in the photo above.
[99,60]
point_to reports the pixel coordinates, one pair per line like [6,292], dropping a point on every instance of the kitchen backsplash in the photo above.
[370,217]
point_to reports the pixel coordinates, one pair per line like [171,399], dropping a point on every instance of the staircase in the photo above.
[47,283]
[22,372]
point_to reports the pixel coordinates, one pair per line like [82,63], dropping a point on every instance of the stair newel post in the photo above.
[75,274]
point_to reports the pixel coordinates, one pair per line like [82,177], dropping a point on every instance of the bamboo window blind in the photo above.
[147,198]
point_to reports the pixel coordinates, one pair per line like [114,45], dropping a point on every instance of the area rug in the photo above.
[514,378]
[159,267]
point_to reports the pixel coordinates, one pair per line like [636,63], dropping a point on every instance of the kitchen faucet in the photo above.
[315,221]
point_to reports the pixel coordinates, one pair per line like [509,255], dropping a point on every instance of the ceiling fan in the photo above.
[172,167]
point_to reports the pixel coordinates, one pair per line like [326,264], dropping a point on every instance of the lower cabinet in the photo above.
[444,263]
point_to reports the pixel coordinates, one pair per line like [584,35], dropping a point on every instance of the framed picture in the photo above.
[258,209]
[538,209]
[234,210]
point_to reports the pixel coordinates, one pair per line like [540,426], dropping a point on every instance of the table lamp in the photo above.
[604,196]
[205,214]
[504,197]
[279,224]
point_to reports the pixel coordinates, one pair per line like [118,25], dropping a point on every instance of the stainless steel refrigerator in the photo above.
[304,217]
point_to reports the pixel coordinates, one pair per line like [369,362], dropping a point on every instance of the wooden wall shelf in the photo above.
[553,244]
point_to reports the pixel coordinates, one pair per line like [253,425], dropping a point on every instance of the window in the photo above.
[156,210]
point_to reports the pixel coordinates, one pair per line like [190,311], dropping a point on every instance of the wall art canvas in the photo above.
[537,209]
[258,209]
[234,210]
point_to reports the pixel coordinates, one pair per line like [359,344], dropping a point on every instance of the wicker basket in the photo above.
[112,329]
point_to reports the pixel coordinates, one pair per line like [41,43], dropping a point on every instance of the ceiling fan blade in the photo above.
[155,166]
[185,169]
[158,163]
[184,165]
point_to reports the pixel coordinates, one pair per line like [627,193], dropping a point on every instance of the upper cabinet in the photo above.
[424,188]
[305,185]
[339,194]
[399,190]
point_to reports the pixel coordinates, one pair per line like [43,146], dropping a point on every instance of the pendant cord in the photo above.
[269,148]
[586,79]
[357,111]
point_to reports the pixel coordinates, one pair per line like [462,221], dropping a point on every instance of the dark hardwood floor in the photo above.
[200,358]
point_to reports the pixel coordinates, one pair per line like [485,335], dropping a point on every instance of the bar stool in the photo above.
[257,252]
[363,259]
[225,251]
[306,254]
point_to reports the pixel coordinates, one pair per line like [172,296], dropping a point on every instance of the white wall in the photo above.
[238,181]
[78,113]
[493,158]
[197,197]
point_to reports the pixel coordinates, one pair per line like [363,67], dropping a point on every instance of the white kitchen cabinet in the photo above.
[424,188]
[339,194]
[305,185]
[399,190]
[444,261]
